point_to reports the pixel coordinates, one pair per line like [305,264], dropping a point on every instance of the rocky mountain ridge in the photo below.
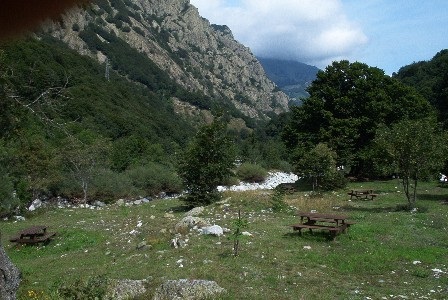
[199,56]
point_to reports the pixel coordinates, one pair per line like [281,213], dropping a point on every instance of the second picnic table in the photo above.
[362,193]
[334,223]
[33,235]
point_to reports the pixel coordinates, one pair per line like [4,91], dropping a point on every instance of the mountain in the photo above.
[430,78]
[109,95]
[200,57]
[290,76]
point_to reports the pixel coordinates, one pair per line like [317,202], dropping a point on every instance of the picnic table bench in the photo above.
[362,194]
[33,235]
[335,224]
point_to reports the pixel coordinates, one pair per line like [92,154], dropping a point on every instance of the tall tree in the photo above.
[413,150]
[347,103]
[206,163]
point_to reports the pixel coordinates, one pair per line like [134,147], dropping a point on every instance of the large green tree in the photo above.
[206,163]
[413,150]
[430,78]
[347,103]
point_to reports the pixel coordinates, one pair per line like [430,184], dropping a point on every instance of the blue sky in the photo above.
[387,34]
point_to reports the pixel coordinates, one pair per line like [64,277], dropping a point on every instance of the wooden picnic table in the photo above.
[334,223]
[33,235]
[362,194]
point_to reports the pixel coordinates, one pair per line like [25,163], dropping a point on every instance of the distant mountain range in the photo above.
[290,76]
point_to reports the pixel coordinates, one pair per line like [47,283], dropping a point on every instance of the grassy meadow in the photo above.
[388,254]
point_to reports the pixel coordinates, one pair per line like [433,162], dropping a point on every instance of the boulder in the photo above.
[187,223]
[195,211]
[9,277]
[185,289]
[122,289]
[213,230]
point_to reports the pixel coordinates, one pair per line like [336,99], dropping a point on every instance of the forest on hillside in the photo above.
[65,125]
[68,131]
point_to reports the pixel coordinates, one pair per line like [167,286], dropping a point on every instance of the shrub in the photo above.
[90,288]
[154,178]
[251,173]
[75,27]
[108,184]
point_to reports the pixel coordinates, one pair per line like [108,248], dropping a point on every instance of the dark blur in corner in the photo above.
[19,16]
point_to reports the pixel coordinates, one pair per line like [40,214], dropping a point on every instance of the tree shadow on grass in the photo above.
[384,209]
[432,197]
[308,236]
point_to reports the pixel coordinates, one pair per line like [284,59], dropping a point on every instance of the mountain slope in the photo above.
[430,78]
[200,57]
[291,77]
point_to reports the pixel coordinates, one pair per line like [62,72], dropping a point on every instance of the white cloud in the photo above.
[310,31]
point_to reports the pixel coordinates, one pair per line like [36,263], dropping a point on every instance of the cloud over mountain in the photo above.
[311,31]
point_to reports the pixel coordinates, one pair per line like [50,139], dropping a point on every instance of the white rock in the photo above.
[213,230]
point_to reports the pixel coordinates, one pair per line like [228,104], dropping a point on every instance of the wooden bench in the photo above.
[334,230]
[33,235]
[334,223]
[365,194]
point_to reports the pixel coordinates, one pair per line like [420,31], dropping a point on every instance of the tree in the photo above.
[413,150]
[319,166]
[206,163]
[83,155]
[347,103]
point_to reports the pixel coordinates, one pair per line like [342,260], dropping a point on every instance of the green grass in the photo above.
[376,258]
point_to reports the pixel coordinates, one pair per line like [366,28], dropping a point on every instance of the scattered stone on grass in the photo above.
[189,222]
[186,289]
[122,289]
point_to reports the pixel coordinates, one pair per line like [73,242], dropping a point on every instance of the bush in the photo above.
[109,185]
[90,288]
[154,178]
[251,173]
[7,200]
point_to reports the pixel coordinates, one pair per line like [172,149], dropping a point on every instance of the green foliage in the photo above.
[347,103]
[278,200]
[237,233]
[92,288]
[75,27]
[154,178]
[251,172]
[319,167]
[430,78]
[413,150]
[206,163]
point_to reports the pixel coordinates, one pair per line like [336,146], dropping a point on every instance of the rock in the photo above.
[186,289]
[178,242]
[195,211]
[122,289]
[138,202]
[213,230]
[142,245]
[35,205]
[9,277]
[188,222]
[98,203]
[169,216]
[120,202]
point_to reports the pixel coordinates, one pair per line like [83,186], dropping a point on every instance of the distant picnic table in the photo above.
[362,194]
[334,223]
[33,235]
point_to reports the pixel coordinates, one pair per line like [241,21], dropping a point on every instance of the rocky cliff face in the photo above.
[196,54]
